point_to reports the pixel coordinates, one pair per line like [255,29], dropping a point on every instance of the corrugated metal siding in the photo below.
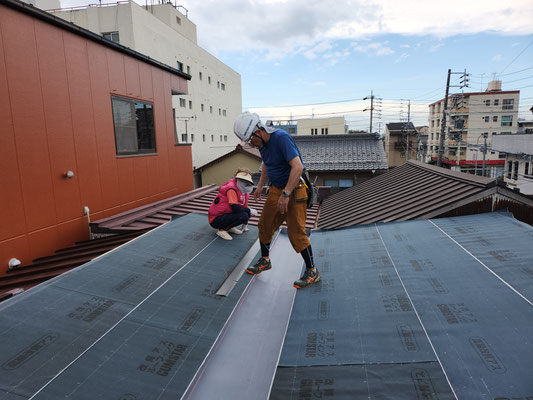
[410,191]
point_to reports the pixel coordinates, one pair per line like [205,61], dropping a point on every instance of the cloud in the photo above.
[276,28]
[405,45]
[435,47]
[497,58]
[321,47]
[401,58]
[374,49]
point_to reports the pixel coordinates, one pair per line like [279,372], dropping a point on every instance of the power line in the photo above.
[519,54]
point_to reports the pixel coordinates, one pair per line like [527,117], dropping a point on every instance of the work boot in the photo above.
[309,278]
[261,265]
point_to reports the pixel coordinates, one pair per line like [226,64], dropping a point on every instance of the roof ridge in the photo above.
[462,176]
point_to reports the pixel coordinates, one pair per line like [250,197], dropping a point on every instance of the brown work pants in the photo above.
[271,219]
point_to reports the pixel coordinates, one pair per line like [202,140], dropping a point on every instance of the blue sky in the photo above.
[296,55]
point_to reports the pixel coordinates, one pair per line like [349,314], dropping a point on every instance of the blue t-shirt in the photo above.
[276,155]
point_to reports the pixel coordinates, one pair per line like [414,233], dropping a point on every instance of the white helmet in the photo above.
[245,125]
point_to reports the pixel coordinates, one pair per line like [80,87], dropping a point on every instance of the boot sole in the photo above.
[257,273]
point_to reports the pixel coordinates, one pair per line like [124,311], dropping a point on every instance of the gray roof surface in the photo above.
[354,152]
[415,190]
[399,128]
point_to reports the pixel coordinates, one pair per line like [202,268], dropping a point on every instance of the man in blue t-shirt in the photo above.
[287,196]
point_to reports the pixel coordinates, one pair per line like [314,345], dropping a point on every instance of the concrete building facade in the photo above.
[322,126]
[204,116]
[518,150]
[472,117]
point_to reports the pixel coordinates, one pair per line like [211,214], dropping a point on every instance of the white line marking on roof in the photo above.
[481,262]
[416,312]
[122,319]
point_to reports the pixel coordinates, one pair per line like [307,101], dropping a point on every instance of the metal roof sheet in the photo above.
[412,191]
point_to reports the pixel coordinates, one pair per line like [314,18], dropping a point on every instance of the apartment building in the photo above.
[400,136]
[322,126]
[203,118]
[472,119]
[518,150]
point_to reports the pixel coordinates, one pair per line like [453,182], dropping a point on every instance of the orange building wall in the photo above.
[55,116]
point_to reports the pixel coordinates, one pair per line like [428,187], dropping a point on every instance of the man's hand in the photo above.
[283,204]
[257,194]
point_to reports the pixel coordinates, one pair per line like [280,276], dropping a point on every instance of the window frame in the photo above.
[139,151]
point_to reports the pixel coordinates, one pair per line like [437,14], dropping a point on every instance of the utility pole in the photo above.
[484,150]
[371,107]
[443,122]
[464,83]
[407,133]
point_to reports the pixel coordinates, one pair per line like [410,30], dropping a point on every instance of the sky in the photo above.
[313,59]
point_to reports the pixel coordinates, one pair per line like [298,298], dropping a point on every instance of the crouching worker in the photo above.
[230,206]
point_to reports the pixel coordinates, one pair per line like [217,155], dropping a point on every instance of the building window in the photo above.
[331,182]
[134,126]
[218,84]
[223,86]
[220,138]
[190,104]
[212,138]
[183,138]
[224,113]
[178,20]
[200,75]
[219,112]
[515,170]
[526,168]
[179,66]
[507,120]
[486,119]
[432,123]
[192,137]
[225,138]
[112,36]
[509,169]
[344,183]
[188,70]
[326,131]
[182,102]
[508,104]
[438,123]
[495,118]
[487,102]
[203,138]
[211,109]
[209,80]
[501,155]
[496,102]
[202,107]
[322,131]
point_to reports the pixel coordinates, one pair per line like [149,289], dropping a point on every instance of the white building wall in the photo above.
[481,115]
[157,33]
[519,160]
[334,126]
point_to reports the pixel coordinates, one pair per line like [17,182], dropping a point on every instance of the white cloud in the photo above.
[276,28]
[497,58]
[405,45]
[375,49]
[321,47]
[401,58]
[435,47]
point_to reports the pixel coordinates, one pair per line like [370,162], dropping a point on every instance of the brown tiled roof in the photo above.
[155,214]
[412,191]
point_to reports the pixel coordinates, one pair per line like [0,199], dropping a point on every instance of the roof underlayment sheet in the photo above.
[420,309]
[429,309]
[135,323]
